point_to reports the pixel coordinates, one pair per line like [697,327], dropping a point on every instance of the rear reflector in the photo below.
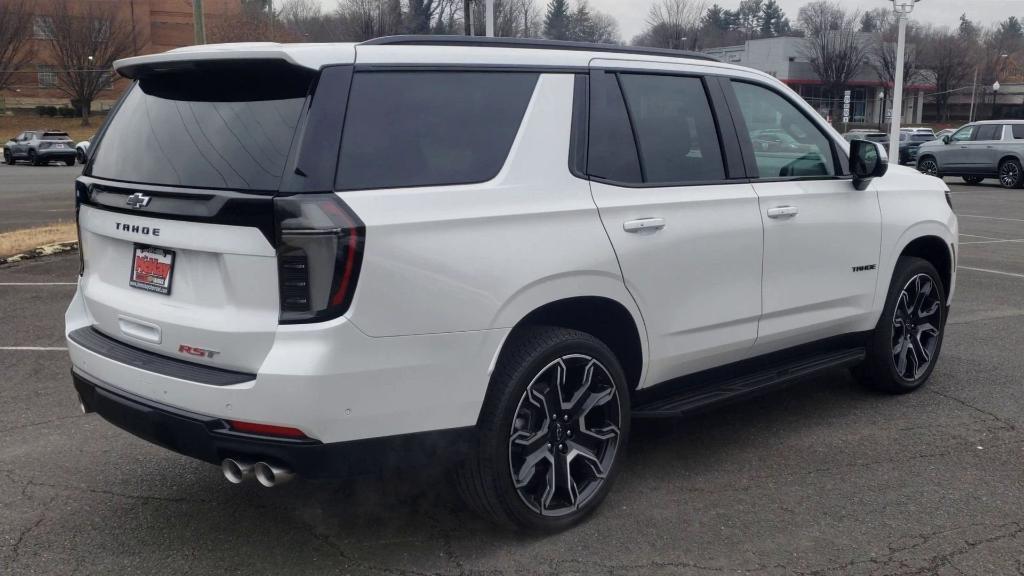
[265,429]
[319,250]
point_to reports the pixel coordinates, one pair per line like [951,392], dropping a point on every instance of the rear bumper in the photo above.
[62,154]
[209,439]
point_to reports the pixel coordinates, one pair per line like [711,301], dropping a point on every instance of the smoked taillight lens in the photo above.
[319,251]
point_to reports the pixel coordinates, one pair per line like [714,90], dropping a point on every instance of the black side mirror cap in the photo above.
[868,160]
[946,139]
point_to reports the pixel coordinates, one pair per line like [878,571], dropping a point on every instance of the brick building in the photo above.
[157,26]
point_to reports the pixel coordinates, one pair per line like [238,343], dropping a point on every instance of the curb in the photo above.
[41,251]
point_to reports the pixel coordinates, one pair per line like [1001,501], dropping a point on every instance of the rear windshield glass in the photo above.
[430,128]
[222,128]
[56,136]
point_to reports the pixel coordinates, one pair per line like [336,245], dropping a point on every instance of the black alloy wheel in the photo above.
[552,432]
[904,348]
[972,180]
[928,166]
[565,435]
[916,327]
[1010,174]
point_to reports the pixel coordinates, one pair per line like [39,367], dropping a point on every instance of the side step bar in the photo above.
[697,396]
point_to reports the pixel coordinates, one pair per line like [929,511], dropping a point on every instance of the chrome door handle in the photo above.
[964,147]
[783,211]
[644,225]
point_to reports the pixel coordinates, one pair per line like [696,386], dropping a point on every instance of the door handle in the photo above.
[964,147]
[783,211]
[644,225]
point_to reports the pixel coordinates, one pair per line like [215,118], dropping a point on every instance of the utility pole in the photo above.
[199,21]
[490,18]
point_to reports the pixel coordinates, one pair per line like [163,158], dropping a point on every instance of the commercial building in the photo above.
[785,58]
[156,26]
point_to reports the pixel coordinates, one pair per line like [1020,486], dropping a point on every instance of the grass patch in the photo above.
[21,240]
[11,126]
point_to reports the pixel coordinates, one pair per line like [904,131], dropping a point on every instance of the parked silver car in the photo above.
[989,149]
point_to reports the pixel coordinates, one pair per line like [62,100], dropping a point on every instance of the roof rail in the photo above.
[535,43]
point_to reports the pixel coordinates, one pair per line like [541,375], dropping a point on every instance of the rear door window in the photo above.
[228,128]
[612,151]
[430,128]
[675,130]
[987,132]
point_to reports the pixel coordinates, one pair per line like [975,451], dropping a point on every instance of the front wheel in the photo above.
[552,432]
[972,180]
[8,158]
[929,166]
[905,345]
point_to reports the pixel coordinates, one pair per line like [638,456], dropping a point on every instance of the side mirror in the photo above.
[868,160]
[946,139]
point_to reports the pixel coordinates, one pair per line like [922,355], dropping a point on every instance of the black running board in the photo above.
[696,396]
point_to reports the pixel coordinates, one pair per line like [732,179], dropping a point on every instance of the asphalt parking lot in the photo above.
[821,478]
[35,195]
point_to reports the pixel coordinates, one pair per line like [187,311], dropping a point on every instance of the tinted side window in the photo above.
[612,151]
[674,127]
[989,132]
[804,149]
[1018,131]
[430,128]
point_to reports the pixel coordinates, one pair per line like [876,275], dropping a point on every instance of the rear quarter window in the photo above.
[1018,131]
[410,128]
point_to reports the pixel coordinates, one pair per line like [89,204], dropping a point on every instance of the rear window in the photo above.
[1018,131]
[229,128]
[56,136]
[430,128]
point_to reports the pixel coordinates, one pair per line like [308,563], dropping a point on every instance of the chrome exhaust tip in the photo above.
[236,471]
[271,475]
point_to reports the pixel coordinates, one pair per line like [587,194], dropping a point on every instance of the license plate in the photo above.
[152,269]
[58,146]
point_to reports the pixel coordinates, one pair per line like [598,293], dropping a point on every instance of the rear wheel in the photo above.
[906,343]
[553,431]
[973,179]
[928,165]
[69,162]
[1010,173]
[34,159]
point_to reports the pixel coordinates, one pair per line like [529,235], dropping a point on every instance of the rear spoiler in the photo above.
[310,56]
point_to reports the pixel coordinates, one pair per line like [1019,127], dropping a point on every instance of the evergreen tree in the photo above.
[558,20]
[581,23]
[773,20]
[717,18]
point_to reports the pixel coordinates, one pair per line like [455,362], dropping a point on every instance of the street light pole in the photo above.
[995,95]
[198,21]
[902,9]
[974,93]
[490,18]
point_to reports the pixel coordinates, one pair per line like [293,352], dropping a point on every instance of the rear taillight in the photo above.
[319,250]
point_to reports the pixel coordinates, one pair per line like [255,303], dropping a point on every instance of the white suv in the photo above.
[323,259]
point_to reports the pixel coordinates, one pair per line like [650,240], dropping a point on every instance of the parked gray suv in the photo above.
[989,149]
[40,147]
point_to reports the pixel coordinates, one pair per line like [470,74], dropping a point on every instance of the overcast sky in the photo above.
[631,14]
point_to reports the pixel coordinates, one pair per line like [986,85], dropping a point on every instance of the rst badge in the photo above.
[196,351]
[152,269]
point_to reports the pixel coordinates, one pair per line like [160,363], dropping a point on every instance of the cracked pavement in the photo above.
[821,478]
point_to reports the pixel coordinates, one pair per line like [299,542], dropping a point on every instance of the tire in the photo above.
[910,330]
[1010,173]
[69,162]
[33,159]
[9,158]
[80,155]
[517,439]
[929,166]
[973,180]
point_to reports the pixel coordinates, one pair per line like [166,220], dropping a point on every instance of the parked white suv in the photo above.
[323,259]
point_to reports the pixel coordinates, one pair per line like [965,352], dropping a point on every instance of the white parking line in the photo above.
[989,218]
[1000,272]
[35,348]
[976,236]
[38,283]
[992,241]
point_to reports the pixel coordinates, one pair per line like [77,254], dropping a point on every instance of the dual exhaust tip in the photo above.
[237,471]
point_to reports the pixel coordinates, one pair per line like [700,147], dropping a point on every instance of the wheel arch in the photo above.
[605,318]
[1009,156]
[936,251]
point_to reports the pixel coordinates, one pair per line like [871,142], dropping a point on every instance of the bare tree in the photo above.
[833,46]
[365,19]
[673,24]
[15,33]
[85,41]
[949,56]
[512,18]
[881,56]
